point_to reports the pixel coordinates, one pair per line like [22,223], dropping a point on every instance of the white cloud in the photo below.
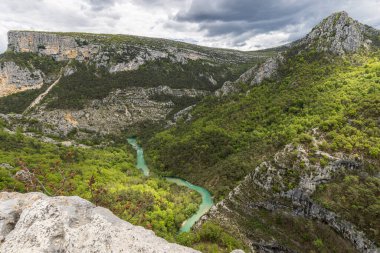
[159,18]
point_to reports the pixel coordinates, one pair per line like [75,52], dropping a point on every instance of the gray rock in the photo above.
[33,222]
[273,173]
[267,70]
[184,114]
[338,34]
[253,76]
[14,78]
[24,175]
[120,109]
[60,47]
[6,166]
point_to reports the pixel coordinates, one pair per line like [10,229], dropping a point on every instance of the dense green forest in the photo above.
[107,177]
[89,82]
[338,96]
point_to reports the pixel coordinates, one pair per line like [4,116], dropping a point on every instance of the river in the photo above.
[207,201]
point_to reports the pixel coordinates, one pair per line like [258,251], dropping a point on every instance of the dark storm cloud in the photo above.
[238,24]
[239,16]
[240,20]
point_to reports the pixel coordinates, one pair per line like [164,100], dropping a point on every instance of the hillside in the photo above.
[286,140]
[293,145]
[110,83]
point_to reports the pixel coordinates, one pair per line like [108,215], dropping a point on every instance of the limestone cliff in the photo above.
[33,222]
[339,34]
[14,78]
[116,52]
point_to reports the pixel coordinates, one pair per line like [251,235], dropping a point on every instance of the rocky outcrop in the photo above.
[14,78]
[6,166]
[119,110]
[184,114]
[253,76]
[33,222]
[303,205]
[294,178]
[267,70]
[338,34]
[59,46]
[116,56]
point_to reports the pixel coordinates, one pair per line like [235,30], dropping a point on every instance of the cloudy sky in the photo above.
[238,24]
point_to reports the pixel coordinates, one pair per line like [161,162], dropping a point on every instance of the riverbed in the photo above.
[207,201]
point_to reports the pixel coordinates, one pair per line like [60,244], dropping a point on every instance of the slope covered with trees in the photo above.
[319,101]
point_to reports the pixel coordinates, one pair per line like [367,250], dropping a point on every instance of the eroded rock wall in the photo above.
[14,78]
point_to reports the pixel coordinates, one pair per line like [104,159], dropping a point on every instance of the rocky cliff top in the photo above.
[337,34]
[340,34]
[34,222]
[85,46]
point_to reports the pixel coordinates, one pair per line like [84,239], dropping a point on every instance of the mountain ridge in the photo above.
[287,142]
[268,145]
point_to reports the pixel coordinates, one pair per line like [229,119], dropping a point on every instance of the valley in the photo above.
[206,203]
[218,150]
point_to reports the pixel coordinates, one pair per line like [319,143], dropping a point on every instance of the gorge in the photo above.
[207,201]
[269,151]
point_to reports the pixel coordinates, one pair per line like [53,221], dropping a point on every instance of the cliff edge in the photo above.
[34,222]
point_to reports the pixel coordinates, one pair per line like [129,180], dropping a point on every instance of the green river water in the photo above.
[207,201]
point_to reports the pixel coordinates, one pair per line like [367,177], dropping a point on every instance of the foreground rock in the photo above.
[33,222]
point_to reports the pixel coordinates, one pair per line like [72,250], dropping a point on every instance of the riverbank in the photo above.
[207,201]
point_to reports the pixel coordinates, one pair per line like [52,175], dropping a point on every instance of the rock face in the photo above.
[276,174]
[339,34]
[33,222]
[115,52]
[253,76]
[119,110]
[14,78]
[100,53]
[59,46]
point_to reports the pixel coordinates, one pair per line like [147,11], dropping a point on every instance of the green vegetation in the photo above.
[228,137]
[105,176]
[88,83]
[296,233]
[355,198]
[18,102]
[33,62]
[210,238]
[338,96]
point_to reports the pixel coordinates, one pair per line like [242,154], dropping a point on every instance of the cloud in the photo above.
[238,24]
[241,20]
[254,14]
[98,5]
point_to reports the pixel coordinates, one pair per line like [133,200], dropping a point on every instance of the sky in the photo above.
[237,24]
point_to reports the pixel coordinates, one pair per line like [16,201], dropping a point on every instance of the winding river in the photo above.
[207,201]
